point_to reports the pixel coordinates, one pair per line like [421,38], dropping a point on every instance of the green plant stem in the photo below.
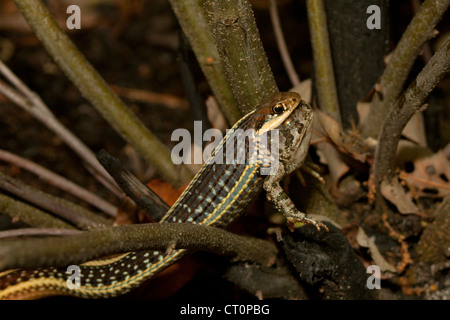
[59,182]
[96,90]
[154,236]
[66,210]
[420,30]
[32,103]
[242,54]
[39,232]
[191,16]
[323,64]
[23,213]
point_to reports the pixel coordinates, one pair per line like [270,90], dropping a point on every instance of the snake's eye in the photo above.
[279,108]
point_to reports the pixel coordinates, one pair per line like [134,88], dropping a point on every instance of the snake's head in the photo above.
[292,118]
[273,114]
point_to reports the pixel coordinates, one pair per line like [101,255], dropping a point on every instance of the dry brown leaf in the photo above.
[336,165]
[146,96]
[364,241]
[304,89]
[430,177]
[348,191]
[127,212]
[394,192]
[327,125]
[408,151]
[349,144]
[362,108]
[415,130]
[165,190]
[446,151]
[327,152]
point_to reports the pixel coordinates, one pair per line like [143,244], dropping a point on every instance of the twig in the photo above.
[146,96]
[16,82]
[145,197]
[97,243]
[23,213]
[406,106]
[323,64]
[419,31]
[95,89]
[37,232]
[404,175]
[293,76]
[241,52]
[32,103]
[59,182]
[191,17]
[78,216]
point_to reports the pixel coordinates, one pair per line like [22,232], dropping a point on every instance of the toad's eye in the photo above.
[279,108]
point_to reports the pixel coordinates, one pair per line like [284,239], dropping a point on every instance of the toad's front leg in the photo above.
[282,202]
